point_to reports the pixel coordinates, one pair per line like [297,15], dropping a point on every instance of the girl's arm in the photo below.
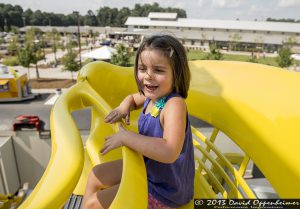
[131,102]
[166,149]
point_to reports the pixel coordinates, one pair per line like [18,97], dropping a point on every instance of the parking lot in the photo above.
[41,107]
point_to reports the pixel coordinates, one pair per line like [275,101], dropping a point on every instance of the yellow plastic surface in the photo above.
[67,159]
[221,165]
[255,105]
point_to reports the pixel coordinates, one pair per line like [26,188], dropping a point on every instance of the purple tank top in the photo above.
[172,184]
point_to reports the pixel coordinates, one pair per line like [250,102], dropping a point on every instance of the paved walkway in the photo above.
[58,72]
[52,72]
[47,91]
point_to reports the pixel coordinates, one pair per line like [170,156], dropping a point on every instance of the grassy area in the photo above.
[132,59]
[246,58]
[196,55]
[200,55]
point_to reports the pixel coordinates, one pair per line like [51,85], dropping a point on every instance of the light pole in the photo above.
[78,34]
[24,21]
[5,25]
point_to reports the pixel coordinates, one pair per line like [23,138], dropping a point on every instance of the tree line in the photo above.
[105,16]
[282,20]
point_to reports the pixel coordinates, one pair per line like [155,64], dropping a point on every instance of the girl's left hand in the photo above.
[113,141]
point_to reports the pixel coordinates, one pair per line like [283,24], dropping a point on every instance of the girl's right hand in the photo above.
[117,115]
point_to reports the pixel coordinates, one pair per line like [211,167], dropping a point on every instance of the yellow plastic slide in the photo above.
[257,106]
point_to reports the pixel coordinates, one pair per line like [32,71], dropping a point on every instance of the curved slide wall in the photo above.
[257,106]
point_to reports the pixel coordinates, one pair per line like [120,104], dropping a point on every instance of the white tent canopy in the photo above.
[296,56]
[103,53]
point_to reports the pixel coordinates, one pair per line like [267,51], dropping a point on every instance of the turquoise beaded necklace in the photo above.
[159,104]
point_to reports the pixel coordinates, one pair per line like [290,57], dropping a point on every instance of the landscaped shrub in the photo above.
[11,61]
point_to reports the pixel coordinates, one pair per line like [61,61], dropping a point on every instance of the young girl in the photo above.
[165,140]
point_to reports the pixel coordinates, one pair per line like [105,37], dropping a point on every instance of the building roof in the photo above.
[217,24]
[74,29]
[162,15]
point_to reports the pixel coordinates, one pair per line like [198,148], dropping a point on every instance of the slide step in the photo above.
[74,202]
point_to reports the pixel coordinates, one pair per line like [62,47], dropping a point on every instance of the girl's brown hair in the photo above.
[175,52]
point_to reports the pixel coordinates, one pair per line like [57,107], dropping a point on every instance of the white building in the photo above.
[235,34]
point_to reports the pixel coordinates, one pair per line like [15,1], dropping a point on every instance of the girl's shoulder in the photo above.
[174,110]
[174,104]
[175,101]
[174,98]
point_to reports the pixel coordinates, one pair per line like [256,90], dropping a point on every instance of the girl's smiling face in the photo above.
[154,74]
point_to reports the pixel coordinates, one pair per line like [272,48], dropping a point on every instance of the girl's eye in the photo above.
[158,70]
[141,68]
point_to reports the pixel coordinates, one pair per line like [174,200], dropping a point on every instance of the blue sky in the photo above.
[203,9]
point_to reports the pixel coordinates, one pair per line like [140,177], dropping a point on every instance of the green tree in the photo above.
[10,16]
[2,40]
[259,43]
[143,10]
[282,20]
[215,53]
[25,56]
[290,41]
[121,57]
[69,61]
[234,40]
[14,30]
[53,37]
[13,45]
[34,50]
[106,16]
[284,57]
[137,11]
[37,18]
[122,15]
[37,55]
[27,17]
[90,19]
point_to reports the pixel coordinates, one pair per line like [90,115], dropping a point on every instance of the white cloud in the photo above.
[219,4]
[203,3]
[259,12]
[226,3]
[172,3]
[255,9]
[207,9]
[288,3]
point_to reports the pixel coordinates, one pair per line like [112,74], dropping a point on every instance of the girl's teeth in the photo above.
[151,87]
